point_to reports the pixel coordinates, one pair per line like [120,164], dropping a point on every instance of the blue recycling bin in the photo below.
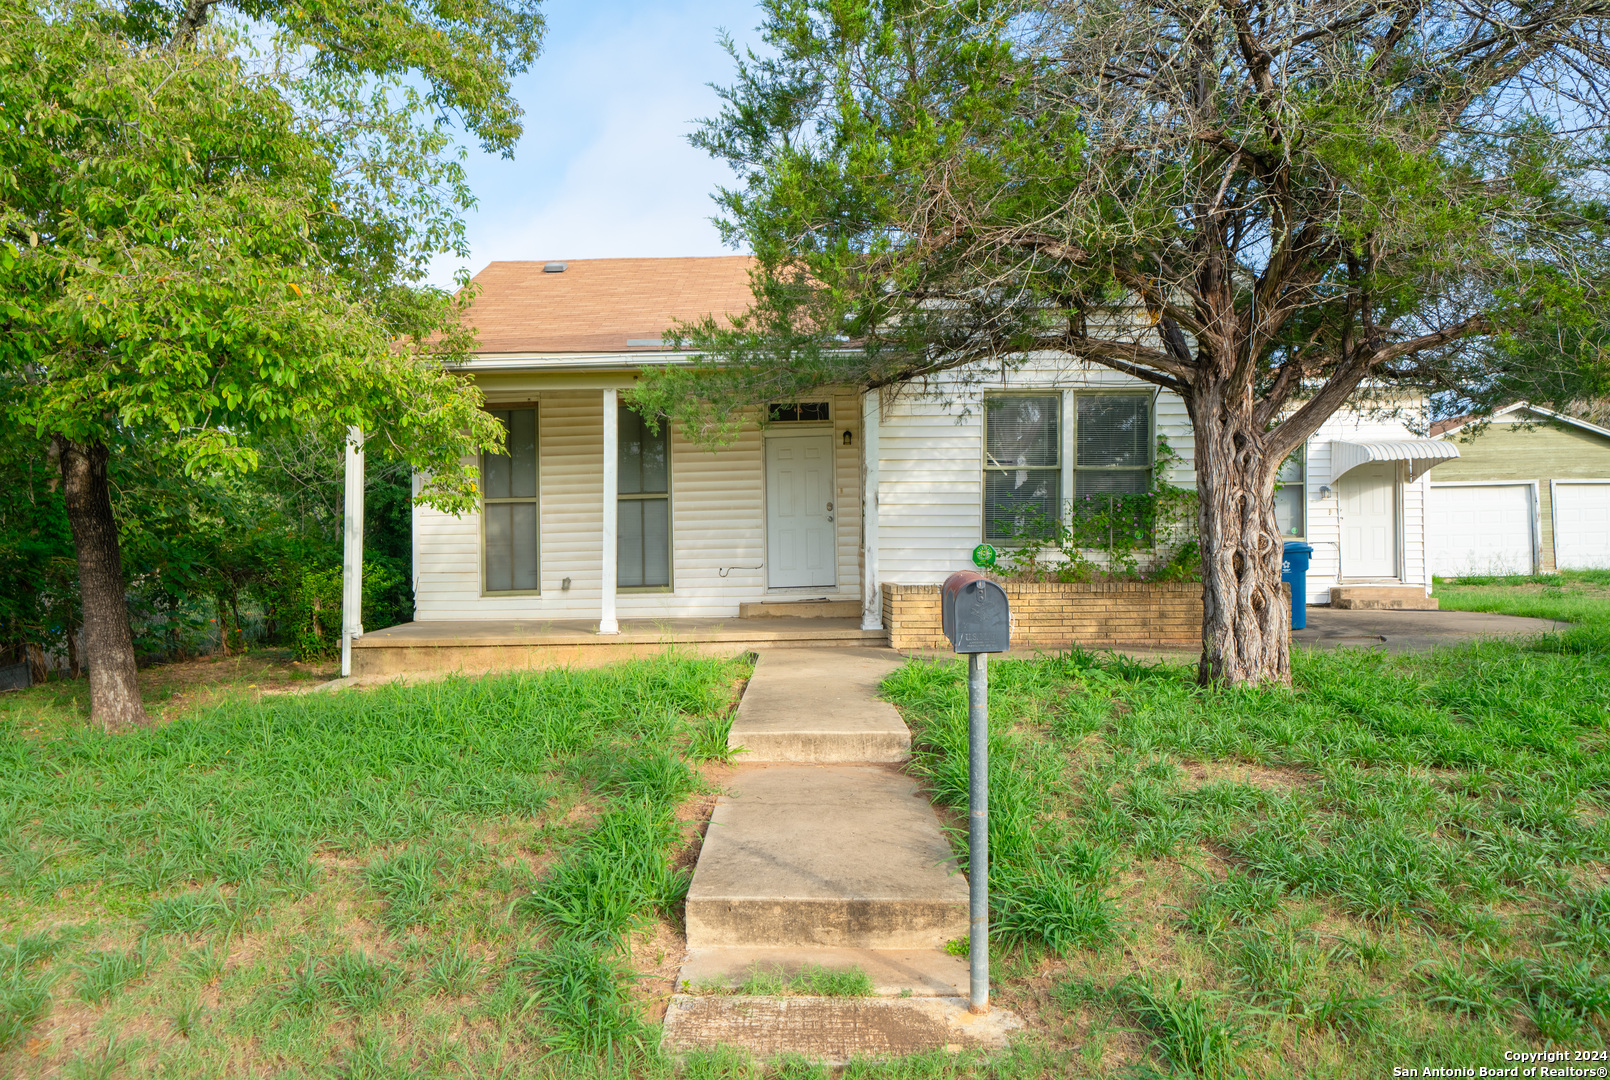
[1294,572]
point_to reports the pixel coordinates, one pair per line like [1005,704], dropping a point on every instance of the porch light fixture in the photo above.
[1324,492]
[846,438]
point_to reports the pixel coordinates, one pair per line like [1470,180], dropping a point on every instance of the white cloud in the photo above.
[605,169]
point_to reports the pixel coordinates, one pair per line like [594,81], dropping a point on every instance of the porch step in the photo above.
[810,705]
[893,972]
[838,856]
[833,1030]
[1381,598]
[801,609]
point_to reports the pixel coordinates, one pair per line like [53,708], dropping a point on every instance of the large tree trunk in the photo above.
[1245,623]
[108,644]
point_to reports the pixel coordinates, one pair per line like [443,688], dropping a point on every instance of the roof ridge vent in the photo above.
[553,268]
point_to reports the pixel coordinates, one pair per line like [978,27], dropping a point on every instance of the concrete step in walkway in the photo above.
[893,972]
[834,1030]
[833,856]
[820,706]
[822,853]
[1381,598]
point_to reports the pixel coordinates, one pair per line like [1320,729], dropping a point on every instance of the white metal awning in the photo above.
[1421,454]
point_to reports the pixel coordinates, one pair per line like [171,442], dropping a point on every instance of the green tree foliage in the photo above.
[211,234]
[1259,206]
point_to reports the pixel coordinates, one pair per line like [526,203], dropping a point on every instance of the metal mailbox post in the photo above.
[978,621]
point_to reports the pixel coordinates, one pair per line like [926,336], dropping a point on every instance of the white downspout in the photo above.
[352,551]
[606,613]
[871,599]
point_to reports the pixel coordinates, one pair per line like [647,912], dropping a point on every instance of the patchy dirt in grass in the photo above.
[657,955]
[694,813]
[1268,777]
[170,690]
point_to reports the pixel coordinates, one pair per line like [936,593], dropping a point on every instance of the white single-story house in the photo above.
[591,519]
[1529,494]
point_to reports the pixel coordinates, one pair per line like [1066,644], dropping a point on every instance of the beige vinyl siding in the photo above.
[1532,449]
[931,512]
[847,492]
[718,513]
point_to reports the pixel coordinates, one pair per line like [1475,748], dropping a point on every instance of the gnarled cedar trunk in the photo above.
[1245,623]
[108,643]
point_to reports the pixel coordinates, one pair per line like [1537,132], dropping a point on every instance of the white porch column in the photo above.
[871,598]
[352,551]
[606,614]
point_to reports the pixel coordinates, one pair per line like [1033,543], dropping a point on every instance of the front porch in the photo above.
[482,646]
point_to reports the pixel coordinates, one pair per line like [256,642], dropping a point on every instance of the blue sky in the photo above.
[604,168]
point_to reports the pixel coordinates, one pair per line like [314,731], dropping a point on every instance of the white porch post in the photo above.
[871,599]
[352,551]
[606,615]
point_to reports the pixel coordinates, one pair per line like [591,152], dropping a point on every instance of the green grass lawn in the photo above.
[455,878]
[1576,596]
[1401,861]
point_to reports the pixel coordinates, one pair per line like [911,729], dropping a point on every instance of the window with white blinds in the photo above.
[1022,463]
[510,561]
[1112,445]
[643,504]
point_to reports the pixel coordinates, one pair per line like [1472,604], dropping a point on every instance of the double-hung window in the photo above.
[1291,494]
[509,507]
[1112,445]
[643,504]
[1022,465]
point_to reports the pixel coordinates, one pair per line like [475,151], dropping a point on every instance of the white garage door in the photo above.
[1480,529]
[1582,525]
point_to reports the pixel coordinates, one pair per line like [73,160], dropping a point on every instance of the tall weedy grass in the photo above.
[488,844]
[1399,855]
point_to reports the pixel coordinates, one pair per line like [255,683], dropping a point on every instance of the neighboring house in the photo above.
[833,496]
[1530,493]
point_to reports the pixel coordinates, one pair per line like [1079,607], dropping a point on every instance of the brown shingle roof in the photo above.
[597,305]
[1439,426]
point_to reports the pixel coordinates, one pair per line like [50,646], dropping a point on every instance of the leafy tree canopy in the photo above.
[219,246]
[213,219]
[1258,205]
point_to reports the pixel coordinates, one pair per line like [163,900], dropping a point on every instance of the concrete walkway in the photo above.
[822,853]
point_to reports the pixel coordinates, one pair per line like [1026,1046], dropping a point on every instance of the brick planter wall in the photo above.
[1053,614]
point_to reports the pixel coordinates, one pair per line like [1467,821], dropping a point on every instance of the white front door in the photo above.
[1480,529]
[1582,526]
[799,512]
[1368,497]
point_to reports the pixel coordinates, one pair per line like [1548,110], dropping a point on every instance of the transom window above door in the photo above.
[509,549]
[797,412]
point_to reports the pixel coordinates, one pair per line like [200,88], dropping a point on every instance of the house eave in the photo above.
[621,361]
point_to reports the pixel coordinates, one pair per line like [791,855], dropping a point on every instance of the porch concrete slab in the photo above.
[841,856]
[833,1030]
[1410,631]
[820,706]
[893,972]
[476,647]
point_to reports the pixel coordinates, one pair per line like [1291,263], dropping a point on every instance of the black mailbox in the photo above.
[974,613]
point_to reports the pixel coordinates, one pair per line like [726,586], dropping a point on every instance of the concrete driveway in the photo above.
[1410,631]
